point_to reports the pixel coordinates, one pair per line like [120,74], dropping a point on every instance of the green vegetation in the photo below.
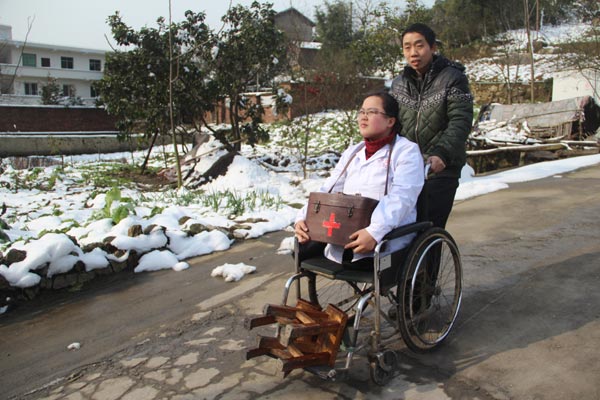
[234,202]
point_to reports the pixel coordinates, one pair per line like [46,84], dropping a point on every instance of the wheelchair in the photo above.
[422,284]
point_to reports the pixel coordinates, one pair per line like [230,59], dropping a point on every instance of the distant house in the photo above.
[298,29]
[26,67]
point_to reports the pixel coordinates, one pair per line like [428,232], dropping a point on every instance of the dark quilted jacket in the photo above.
[438,117]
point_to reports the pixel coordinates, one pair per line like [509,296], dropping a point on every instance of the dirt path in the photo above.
[528,327]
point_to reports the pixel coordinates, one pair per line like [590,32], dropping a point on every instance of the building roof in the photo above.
[18,43]
[292,10]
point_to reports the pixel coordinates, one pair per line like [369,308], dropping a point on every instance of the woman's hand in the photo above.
[362,242]
[301,230]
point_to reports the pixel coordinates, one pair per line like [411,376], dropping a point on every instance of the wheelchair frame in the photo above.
[417,302]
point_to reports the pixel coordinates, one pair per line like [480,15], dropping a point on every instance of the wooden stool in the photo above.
[306,335]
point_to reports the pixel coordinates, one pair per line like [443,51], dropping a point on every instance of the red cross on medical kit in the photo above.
[330,224]
[333,217]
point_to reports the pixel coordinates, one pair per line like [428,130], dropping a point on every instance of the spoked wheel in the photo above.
[342,294]
[383,366]
[429,290]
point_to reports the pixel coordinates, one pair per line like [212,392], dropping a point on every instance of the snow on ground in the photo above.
[492,69]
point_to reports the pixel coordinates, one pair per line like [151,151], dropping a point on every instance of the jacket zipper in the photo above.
[418,119]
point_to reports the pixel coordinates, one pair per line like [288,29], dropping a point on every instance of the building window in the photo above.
[31,89]
[29,60]
[93,91]
[68,91]
[95,65]
[45,62]
[66,62]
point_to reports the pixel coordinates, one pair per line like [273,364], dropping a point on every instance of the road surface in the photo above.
[529,327]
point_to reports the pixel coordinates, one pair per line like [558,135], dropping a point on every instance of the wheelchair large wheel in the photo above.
[344,295]
[429,290]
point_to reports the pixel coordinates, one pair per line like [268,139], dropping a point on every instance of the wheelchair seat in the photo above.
[333,270]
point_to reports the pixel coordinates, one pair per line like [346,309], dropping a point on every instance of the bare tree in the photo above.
[11,81]
[530,47]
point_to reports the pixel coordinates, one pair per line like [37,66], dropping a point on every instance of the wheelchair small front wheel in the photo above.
[429,290]
[382,367]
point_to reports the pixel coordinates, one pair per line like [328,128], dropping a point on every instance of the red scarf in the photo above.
[371,146]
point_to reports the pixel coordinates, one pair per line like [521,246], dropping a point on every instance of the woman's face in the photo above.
[373,124]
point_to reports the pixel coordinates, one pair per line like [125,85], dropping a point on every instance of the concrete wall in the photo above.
[569,84]
[49,144]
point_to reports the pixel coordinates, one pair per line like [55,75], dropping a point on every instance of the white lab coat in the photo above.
[367,177]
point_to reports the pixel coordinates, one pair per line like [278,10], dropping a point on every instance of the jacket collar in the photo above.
[437,65]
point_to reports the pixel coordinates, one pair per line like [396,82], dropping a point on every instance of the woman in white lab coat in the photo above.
[366,173]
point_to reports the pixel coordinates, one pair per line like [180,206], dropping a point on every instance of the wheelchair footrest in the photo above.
[307,336]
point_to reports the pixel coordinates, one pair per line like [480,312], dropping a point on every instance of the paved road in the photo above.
[529,327]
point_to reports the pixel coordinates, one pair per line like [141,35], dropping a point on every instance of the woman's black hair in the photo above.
[422,29]
[390,105]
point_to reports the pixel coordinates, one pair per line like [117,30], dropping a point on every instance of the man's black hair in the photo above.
[422,29]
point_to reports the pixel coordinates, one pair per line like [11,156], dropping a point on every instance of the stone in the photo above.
[240,226]
[133,259]
[200,378]
[159,375]
[104,271]
[156,362]
[195,229]
[183,219]
[79,266]
[134,230]
[144,393]
[45,283]
[240,234]
[149,229]
[84,277]
[133,362]
[187,359]
[113,389]
[31,292]
[175,376]
[62,281]
[91,246]
[14,256]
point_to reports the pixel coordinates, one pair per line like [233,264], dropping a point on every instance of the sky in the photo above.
[82,23]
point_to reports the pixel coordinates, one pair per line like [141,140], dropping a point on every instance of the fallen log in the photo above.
[522,148]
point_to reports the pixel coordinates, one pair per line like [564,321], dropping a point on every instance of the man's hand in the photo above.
[437,165]
[362,242]
[301,230]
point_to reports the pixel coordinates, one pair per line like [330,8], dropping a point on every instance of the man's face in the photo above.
[417,52]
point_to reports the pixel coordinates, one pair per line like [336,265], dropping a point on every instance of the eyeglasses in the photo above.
[369,112]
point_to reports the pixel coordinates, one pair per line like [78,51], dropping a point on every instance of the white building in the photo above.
[26,67]
[569,84]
